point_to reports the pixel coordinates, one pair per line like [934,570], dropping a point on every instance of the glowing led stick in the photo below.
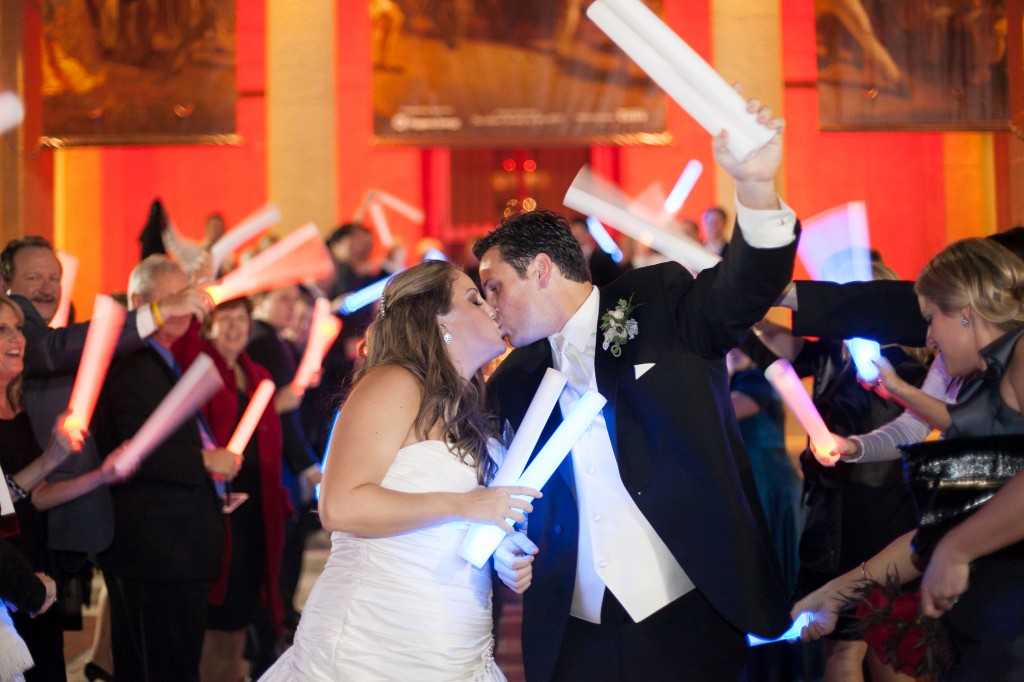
[595,196]
[68,273]
[864,353]
[189,394]
[681,72]
[540,470]
[803,620]
[323,330]
[380,224]
[253,225]
[12,113]
[684,185]
[251,417]
[100,340]
[363,297]
[523,444]
[783,377]
[298,257]
[394,203]
[603,239]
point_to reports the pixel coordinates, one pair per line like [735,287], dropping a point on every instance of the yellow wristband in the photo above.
[155,309]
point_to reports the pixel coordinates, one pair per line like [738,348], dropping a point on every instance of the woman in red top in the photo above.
[255,529]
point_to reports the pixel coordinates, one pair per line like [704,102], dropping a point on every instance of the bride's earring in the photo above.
[448,338]
[964,322]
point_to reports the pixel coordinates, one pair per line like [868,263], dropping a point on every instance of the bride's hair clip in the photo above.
[383,306]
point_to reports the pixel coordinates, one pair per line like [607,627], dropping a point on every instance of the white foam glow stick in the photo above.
[380,224]
[394,203]
[864,353]
[540,470]
[68,273]
[519,451]
[100,341]
[251,417]
[684,185]
[12,113]
[595,196]
[803,620]
[253,225]
[299,257]
[323,330]
[188,395]
[681,72]
[783,377]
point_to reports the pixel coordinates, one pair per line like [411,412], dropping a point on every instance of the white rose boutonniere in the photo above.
[618,326]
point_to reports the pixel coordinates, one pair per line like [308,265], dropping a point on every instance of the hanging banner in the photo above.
[522,72]
[137,72]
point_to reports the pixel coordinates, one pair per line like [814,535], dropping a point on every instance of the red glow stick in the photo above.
[251,417]
[323,330]
[100,340]
[69,270]
[299,257]
[783,377]
[189,394]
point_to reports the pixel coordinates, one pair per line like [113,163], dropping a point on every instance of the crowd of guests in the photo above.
[201,548]
[192,588]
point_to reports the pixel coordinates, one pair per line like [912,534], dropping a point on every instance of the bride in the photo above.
[402,481]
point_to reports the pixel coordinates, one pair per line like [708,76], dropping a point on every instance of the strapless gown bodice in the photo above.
[403,607]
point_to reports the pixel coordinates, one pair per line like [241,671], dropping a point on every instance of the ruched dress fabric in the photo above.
[403,607]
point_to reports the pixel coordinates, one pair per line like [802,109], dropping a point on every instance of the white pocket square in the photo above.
[642,368]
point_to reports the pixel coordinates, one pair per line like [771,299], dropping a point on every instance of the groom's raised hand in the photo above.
[755,177]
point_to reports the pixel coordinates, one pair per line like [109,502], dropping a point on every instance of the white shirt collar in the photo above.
[581,329]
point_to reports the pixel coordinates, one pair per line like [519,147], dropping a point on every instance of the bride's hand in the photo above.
[496,505]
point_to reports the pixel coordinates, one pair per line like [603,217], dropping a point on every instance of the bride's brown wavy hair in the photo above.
[407,334]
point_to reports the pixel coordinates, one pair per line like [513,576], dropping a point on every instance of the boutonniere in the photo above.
[618,326]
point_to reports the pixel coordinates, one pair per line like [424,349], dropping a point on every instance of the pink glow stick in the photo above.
[100,340]
[783,377]
[69,270]
[251,417]
[299,257]
[189,394]
[253,225]
[324,329]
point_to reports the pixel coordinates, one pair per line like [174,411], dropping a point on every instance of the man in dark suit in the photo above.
[169,535]
[653,560]
[31,274]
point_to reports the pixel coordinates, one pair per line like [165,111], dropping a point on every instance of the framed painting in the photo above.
[142,72]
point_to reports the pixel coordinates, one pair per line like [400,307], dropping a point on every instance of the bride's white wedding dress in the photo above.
[404,607]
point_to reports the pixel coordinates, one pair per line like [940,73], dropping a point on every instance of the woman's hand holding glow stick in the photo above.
[783,377]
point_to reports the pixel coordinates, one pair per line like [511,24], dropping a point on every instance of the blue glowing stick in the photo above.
[603,239]
[363,297]
[684,185]
[864,352]
[803,620]
[434,254]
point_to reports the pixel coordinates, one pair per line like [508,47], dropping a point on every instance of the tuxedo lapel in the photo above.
[607,368]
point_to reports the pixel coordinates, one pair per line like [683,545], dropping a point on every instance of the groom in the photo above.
[653,558]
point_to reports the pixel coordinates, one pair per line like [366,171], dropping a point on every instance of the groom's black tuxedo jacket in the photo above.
[676,441]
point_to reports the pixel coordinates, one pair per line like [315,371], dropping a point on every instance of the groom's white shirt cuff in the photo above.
[767,229]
